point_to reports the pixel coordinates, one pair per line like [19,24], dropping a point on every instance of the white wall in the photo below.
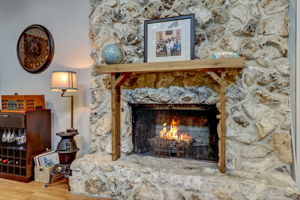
[68,22]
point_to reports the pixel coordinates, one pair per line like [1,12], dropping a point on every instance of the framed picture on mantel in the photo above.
[169,39]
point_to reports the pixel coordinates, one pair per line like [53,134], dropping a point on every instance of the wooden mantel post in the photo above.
[223,122]
[116,117]
[223,84]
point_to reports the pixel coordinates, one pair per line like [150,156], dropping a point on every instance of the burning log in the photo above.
[171,142]
[165,147]
[173,133]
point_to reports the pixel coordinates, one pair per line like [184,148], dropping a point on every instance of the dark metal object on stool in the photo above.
[67,150]
[67,147]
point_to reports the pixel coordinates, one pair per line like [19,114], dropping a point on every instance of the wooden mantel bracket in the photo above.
[121,79]
[208,66]
[214,76]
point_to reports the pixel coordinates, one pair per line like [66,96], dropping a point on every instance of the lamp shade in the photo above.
[64,80]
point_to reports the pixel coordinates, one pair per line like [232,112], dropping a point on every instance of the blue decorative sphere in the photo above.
[112,54]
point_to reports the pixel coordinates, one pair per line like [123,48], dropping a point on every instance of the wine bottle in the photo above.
[5,161]
[17,163]
[10,162]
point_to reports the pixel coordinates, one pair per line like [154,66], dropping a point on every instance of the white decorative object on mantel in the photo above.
[225,55]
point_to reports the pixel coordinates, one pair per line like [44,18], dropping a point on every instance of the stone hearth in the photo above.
[151,178]
[258,106]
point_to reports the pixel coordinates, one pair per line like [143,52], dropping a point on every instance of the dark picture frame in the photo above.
[169,39]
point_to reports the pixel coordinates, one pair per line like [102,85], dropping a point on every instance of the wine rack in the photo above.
[16,158]
[13,160]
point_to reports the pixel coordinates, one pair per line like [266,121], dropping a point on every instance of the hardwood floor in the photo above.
[11,190]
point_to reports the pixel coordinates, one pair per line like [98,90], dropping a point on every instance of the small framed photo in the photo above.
[47,159]
[169,39]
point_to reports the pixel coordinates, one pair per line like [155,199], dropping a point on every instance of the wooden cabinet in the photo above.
[17,159]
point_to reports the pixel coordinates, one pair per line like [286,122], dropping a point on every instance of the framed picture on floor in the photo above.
[169,39]
[47,159]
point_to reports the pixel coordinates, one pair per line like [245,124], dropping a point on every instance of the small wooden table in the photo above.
[58,172]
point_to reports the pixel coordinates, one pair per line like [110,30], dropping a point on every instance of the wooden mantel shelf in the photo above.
[188,65]
[120,73]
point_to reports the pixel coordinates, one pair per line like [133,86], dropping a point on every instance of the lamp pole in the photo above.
[72,106]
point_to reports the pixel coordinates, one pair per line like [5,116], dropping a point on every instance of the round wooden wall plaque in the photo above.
[35,49]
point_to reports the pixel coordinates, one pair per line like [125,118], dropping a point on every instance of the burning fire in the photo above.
[173,133]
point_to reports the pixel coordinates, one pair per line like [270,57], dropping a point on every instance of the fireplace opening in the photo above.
[176,130]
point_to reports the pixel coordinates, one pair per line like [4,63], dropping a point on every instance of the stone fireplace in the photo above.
[258,151]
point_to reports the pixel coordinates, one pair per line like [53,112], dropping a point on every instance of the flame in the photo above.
[173,133]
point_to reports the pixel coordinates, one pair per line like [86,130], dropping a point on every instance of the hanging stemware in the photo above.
[4,138]
[18,137]
[13,136]
[8,136]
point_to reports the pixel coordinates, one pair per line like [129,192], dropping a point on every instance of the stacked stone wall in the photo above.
[258,133]
[258,106]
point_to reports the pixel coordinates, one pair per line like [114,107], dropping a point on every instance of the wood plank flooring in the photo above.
[12,190]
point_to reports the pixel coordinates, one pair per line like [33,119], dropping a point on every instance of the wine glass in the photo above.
[23,138]
[13,136]
[18,137]
[4,138]
[8,136]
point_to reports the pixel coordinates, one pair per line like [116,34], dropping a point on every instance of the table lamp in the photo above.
[66,81]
